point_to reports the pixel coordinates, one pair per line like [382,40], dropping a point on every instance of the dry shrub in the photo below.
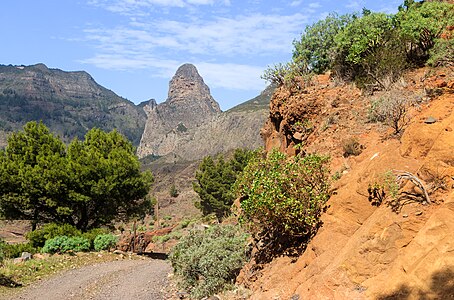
[392,109]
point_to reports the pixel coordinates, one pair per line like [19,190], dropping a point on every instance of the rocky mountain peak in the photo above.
[189,104]
[188,88]
[188,71]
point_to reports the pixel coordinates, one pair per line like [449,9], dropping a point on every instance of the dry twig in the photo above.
[403,175]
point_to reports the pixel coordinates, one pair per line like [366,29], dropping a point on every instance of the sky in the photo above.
[134,47]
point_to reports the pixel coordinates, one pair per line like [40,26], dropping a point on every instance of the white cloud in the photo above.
[296,3]
[244,35]
[136,7]
[231,76]
[315,5]
[220,46]
[353,5]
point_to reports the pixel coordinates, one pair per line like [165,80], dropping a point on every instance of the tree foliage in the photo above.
[422,23]
[373,48]
[215,178]
[283,198]
[87,184]
[317,46]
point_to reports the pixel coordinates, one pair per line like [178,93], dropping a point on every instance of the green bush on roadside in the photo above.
[208,261]
[38,237]
[105,242]
[15,250]
[92,234]
[64,244]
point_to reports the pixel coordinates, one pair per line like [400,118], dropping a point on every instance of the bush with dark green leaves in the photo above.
[372,49]
[317,47]
[15,250]
[2,251]
[92,234]
[105,242]
[282,199]
[64,244]
[209,261]
[37,238]
[421,24]
[215,178]
[173,191]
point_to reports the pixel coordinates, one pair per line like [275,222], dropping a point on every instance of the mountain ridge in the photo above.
[69,103]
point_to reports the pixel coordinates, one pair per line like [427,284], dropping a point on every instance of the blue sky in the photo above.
[134,47]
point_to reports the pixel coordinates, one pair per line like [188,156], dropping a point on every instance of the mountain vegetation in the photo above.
[372,48]
[87,184]
[214,181]
[69,103]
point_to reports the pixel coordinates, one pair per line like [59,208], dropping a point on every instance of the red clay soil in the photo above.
[363,251]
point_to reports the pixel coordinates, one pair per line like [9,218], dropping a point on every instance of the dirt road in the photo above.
[124,279]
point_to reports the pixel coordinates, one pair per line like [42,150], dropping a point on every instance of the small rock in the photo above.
[295,297]
[405,215]
[430,120]
[118,252]
[18,260]
[99,255]
[418,213]
[26,256]
[298,136]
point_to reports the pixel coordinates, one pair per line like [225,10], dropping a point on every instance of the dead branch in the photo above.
[403,175]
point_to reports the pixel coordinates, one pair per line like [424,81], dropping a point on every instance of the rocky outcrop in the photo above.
[190,125]
[399,250]
[70,103]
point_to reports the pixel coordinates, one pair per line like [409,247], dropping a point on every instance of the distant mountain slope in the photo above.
[189,124]
[69,103]
[260,102]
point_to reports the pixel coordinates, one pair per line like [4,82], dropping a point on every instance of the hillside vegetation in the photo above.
[69,103]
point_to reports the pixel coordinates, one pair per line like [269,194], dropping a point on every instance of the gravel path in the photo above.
[124,279]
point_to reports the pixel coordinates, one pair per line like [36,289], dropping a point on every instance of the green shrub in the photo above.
[38,237]
[2,250]
[208,261]
[282,199]
[92,234]
[105,242]
[15,250]
[173,191]
[63,244]
[316,47]
[421,24]
[442,54]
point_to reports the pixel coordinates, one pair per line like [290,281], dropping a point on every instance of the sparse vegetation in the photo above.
[282,199]
[392,109]
[208,262]
[351,147]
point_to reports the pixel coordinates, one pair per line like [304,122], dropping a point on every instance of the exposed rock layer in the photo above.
[190,124]
[362,251]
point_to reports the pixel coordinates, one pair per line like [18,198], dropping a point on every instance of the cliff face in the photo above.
[398,250]
[70,103]
[190,125]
